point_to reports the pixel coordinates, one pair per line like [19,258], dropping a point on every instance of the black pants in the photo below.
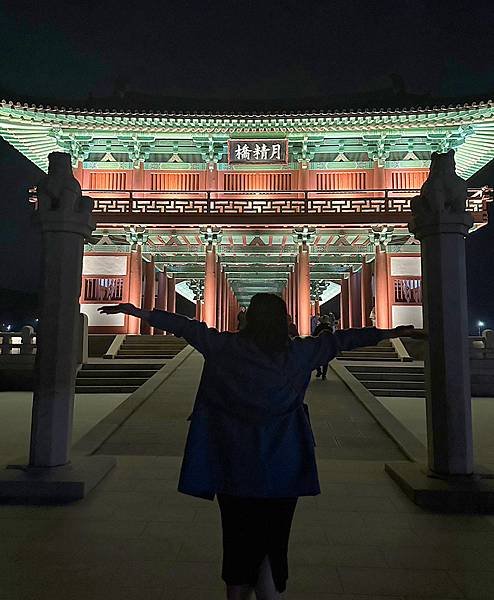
[254,528]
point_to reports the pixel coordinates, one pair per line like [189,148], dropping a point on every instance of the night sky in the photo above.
[334,54]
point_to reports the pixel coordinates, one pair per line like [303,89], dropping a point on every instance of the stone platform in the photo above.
[136,538]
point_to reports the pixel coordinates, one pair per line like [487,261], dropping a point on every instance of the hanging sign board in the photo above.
[258,152]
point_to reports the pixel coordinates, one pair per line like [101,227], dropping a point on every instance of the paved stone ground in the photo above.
[136,538]
[411,412]
[15,419]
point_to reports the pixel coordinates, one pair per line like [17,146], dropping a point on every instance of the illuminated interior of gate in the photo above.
[217,207]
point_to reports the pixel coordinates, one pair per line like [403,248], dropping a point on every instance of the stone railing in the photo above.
[18,342]
[482,347]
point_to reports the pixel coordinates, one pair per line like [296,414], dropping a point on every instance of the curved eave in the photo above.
[32,130]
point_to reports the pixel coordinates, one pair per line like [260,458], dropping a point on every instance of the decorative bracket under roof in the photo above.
[381,236]
[304,150]
[211,236]
[136,236]
[304,235]
[138,152]
[211,150]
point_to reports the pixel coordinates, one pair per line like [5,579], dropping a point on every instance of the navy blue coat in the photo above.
[249,433]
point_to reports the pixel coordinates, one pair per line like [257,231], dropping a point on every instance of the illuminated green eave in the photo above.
[37,131]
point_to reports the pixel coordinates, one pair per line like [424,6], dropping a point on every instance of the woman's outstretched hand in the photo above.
[125,308]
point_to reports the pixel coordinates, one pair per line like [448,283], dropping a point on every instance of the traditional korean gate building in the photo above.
[218,207]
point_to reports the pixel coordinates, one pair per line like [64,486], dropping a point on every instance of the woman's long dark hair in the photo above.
[267,323]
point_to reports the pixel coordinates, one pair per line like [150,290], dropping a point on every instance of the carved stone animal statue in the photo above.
[59,189]
[443,191]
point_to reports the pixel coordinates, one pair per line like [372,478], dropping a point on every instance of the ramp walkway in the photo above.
[136,538]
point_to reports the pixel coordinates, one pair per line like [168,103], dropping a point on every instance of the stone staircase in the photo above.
[405,380]
[161,347]
[383,351]
[138,359]
[114,377]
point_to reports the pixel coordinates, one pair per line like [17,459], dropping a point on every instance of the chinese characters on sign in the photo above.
[258,151]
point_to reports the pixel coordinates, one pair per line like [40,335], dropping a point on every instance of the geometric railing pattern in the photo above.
[266,203]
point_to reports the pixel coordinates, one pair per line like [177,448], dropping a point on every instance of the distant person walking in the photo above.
[327,323]
[314,322]
[292,328]
[250,443]
[241,318]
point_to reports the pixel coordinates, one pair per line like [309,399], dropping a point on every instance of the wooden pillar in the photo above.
[149,293]
[344,304]
[295,293]
[316,306]
[210,286]
[171,298]
[381,289]
[198,308]
[138,178]
[219,297]
[303,290]
[162,297]
[355,313]
[366,292]
[135,287]
[379,174]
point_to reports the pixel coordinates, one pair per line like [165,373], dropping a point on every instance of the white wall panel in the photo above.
[104,265]
[406,265]
[96,319]
[406,315]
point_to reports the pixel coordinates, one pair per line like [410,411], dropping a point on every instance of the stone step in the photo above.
[385,369]
[390,375]
[116,373]
[167,349]
[367,356]
[401,393]
[118,366]
[393,384]
[162,357]
[102,389]
[110,381]
[124,353]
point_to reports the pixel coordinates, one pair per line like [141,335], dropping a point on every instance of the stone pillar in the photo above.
[171,297]
[344,304]
[381,288]
[366,293]
[135,287]
[304,290]
[210,286]
[64,218]
[441,223]
[149,294]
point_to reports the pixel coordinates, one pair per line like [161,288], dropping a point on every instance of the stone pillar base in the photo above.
[53,485]
[460,494]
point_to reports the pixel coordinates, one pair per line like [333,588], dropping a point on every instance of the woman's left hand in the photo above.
[125,307]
